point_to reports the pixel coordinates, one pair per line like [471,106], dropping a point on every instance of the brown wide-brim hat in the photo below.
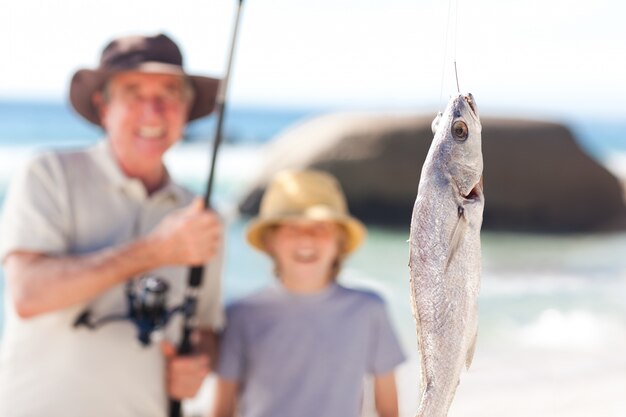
[304,195]
[152,54]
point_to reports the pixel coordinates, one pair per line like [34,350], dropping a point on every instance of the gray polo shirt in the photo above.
[76,202]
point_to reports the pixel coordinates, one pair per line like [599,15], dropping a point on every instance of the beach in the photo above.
[537,382]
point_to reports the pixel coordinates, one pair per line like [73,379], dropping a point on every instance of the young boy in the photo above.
[302,347]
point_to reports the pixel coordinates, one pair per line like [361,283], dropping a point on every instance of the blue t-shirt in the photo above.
[306,355]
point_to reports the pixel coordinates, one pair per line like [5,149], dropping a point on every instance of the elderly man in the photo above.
[80,231]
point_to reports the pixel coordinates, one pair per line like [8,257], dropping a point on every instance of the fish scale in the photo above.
[445,254]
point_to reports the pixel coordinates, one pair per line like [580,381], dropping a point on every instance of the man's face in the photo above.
[143,115]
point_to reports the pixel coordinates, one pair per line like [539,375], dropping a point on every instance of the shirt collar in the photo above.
[103,155]
[319,295]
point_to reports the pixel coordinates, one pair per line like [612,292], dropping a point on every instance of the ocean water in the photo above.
[548,293]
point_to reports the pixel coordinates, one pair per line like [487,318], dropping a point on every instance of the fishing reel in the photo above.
[147,309]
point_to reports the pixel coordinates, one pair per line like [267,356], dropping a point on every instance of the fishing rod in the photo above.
[196,273]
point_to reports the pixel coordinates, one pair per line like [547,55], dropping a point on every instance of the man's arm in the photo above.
[40,283]
[385,395]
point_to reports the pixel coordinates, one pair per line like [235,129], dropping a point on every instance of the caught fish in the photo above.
[445,257]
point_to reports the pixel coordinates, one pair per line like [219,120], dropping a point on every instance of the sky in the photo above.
[535,57]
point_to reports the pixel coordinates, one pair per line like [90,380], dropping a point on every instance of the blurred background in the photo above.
[553,305]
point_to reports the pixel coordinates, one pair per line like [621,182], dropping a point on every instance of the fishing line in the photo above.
[445,47]
[455,39]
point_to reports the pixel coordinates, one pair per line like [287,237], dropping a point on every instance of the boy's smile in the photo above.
[305,255]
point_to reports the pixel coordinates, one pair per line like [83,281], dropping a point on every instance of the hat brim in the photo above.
[355,230]
[85,82]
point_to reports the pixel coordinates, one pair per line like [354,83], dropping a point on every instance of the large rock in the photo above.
[536,177]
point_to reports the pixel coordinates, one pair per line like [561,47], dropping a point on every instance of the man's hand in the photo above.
[191,236]
[40,282]
[184,374]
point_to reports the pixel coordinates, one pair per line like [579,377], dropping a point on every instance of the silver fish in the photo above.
[445,256]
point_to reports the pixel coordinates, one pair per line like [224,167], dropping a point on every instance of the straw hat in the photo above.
[305,195]
[153,54]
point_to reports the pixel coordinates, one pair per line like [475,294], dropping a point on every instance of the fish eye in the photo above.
[459,130]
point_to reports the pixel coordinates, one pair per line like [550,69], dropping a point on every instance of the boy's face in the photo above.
[305,252]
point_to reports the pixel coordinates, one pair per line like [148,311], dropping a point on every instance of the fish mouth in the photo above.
[469,99]
[476,192]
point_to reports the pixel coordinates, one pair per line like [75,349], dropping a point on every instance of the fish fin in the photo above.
[455,242]
[470,352]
